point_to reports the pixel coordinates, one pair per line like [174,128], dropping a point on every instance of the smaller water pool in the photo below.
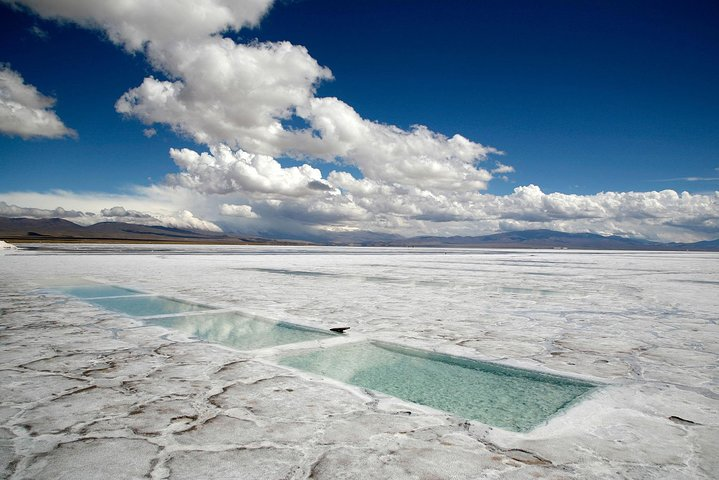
[505,397]
[92,291]
[241,331]
[143,306]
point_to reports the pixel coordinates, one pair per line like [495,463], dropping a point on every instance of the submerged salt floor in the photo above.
[500,396]
[86,390]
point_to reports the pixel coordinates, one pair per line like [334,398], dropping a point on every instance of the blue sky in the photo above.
[582,98]
[571,91]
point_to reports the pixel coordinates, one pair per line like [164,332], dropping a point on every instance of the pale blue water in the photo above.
[145,306]
[90,291]
[504,397]
[241,331]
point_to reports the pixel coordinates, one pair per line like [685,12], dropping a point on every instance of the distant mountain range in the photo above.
[59,230]
[554,239]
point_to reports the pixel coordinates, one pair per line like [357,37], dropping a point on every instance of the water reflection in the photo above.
[240,331]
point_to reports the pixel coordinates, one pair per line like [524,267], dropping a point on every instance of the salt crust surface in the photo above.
[86,393]
[6,246]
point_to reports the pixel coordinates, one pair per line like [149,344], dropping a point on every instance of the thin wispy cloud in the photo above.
[689,179]
[38,32]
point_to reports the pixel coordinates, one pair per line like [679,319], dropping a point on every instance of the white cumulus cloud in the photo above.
[243,211]
[134,23]
[417,156]
[120,212]
[183,219]
[186,219]
[227,92]
[25,112]
[342,201]
[502,168]
[225,171]
[361,204]
[218,91]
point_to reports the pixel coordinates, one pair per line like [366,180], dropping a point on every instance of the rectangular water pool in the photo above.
[145,306]
[504,397]
[92,291]
[240,331]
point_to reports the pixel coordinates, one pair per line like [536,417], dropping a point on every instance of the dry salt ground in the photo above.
[87,393]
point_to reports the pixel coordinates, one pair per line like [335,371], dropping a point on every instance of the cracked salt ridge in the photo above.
[623,434]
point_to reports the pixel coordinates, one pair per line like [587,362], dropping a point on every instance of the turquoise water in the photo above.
[145,306]
[240,331]
[504,397]
[90,291]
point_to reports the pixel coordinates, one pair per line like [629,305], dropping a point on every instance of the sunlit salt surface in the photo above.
[504,397]
[146,306]
[91,291]
[241,331]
